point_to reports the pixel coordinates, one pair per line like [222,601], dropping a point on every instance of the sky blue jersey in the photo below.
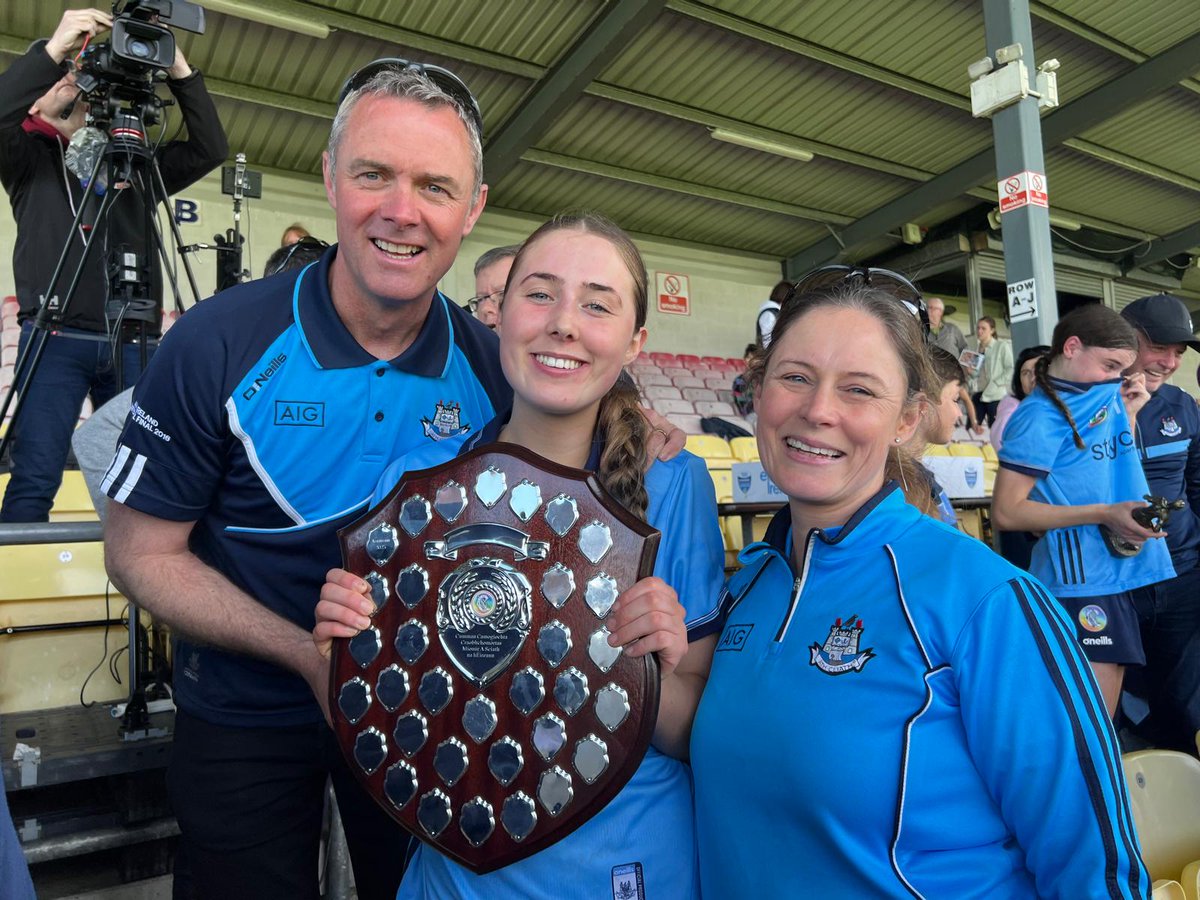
[1074,562]
[905,715]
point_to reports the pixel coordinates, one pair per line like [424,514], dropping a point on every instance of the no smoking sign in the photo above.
[1022,189]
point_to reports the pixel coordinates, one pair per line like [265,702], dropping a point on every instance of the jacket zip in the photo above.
[797,587]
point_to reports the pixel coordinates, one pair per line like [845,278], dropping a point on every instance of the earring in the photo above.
[897,440]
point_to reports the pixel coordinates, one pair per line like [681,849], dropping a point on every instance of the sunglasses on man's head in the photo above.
[826,277]
[454,86]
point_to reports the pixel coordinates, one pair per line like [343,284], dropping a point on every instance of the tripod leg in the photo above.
[161,188]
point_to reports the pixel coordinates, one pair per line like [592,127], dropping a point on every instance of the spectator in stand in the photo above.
[944,334]
[994,373]
[743,396]
[295,255]
[1023,381]
[937,427]
[491,273]
[293,233]
[764,323]
[1168,442]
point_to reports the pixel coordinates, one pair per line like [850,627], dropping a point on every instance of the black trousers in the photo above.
[1169,616]
[249,802]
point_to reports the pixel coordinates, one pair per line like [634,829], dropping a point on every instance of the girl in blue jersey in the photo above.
[573,315]
[1069,469]
[892,711]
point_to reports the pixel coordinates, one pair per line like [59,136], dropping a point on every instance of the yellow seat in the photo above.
[723,483]
[1162,889]
[745,449]
[1164,792]
[961,449]
[989,454]
[72,503]
[936,450]
[709,446]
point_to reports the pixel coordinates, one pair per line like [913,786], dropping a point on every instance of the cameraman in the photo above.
[40,110]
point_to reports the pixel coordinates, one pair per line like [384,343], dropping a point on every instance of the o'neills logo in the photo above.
[265,375]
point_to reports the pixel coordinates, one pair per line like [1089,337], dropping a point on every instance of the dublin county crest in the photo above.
[445,422]
[1170,428]
[1100,416]
[840,651]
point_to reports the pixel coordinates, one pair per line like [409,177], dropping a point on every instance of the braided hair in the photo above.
[1095,326]
[620,422]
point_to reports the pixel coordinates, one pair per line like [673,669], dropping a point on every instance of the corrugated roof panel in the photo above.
[1157,24]
[644,141]
[1097,189]
[533,30]
[1164,130]
[540,190]
[692,63]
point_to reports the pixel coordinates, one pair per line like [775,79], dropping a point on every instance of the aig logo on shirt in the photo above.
[300,412]
[734,638]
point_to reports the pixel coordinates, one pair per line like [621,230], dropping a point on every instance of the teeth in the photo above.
[405,250]
[797,444]
[557,362]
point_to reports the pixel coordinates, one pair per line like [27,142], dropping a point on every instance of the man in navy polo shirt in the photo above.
[260,428]
[1168,439]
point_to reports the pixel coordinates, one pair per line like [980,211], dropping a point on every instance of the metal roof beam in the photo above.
[678,186]
[618,23]
[1165,247]
[1100,39]
[924,89]
[1089,110]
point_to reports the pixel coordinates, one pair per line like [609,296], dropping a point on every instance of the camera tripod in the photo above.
[128,163]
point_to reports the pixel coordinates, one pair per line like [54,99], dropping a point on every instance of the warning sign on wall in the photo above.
[673,294]
[1022,189]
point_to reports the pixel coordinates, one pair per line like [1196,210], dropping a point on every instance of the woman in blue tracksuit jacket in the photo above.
[572,316]
[892,709]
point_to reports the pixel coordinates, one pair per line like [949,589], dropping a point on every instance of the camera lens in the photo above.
[141,49]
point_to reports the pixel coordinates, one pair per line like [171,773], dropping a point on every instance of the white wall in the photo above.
[726,288]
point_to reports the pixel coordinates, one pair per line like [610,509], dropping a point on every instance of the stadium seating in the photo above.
[698,394]
[715,408]
[712,449]
[668,406]
[689,423]
[664,359]
[688,359]
[716,381]
[723,484]
[1164,792]
[744,449]
[688,381]
[662,392]
[677,371]
[650,380]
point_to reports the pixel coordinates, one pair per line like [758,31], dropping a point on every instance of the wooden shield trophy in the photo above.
[484,709]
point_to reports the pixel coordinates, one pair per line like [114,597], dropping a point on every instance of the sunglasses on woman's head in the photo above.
[826,277]
[443,78]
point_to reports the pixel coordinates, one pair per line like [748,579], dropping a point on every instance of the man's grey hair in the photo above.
[494,256]
[938,300]
[408,84]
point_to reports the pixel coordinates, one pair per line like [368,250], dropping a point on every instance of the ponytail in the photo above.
[623,463]
[1041,375]
[913,478]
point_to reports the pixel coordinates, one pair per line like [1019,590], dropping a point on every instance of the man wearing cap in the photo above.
[40,111]
[1168,439]
[259,429]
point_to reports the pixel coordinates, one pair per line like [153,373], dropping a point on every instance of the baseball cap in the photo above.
[1162,318]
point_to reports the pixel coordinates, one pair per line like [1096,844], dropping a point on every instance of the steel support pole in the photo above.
[1017,135]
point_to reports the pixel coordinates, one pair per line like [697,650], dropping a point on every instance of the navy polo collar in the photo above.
[332,346]
[490,433]
[1079,387]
